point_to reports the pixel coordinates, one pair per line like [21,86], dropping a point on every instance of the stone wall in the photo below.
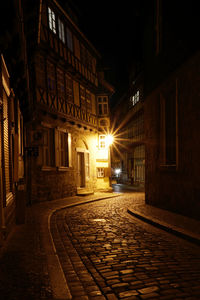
[50,183]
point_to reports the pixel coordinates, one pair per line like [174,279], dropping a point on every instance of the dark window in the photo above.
[170,126]
[61,31]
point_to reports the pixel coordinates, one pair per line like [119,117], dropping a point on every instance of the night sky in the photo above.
[115,31]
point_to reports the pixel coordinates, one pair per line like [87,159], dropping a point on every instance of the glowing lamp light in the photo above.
[117,171]
[109,139]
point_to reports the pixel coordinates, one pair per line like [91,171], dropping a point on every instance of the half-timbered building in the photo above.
[68,115]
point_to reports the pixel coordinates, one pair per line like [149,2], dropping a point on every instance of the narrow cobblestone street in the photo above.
[108,254]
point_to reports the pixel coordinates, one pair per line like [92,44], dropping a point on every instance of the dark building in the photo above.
[128,159]
[13,97]
[171,105]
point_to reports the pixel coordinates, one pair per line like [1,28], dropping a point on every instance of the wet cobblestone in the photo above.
[107,254]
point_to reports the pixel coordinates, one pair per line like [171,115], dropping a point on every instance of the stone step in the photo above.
[84,192]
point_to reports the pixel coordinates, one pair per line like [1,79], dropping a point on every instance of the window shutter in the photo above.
[69,150]
[87,164]
[76,47]
[6,144]
[107,172]
[57,148]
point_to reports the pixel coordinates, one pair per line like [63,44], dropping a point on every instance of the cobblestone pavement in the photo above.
[108,254]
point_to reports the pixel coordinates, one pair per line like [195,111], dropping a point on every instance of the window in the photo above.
[48,156]
[52,20]
[88,101]
[170,134]
[135,98]
[104,123]
[69,40]
[60,83]
[56,148]
[102,141]
[136,128]
[61,31]
[6,146]
[89,61]
[103,105]
[51,77]
[100,172]
[83,54]
[83,96]
[69,89]
[63,149]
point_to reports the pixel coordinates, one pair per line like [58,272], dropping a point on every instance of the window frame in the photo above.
[70,43]
[52,20]
[69,88]
[102,105]
[100,172]
[102,141]
[51,77]
[135,98]
[61,30]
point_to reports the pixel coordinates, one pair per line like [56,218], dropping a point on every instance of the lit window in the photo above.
[102,141]
[100,172]
[135,98]
[61,31]
[52,20]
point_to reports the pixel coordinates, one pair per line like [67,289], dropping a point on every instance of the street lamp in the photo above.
[109,140]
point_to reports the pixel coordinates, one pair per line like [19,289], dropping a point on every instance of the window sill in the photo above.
[62,169]
[48,169]
[168,167]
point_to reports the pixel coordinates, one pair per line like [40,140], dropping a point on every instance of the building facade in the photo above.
[171,107]
[13,98]
[129,153]
[66,148]
[11,154]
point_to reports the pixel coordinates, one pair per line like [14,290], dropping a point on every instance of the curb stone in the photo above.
[182,233]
